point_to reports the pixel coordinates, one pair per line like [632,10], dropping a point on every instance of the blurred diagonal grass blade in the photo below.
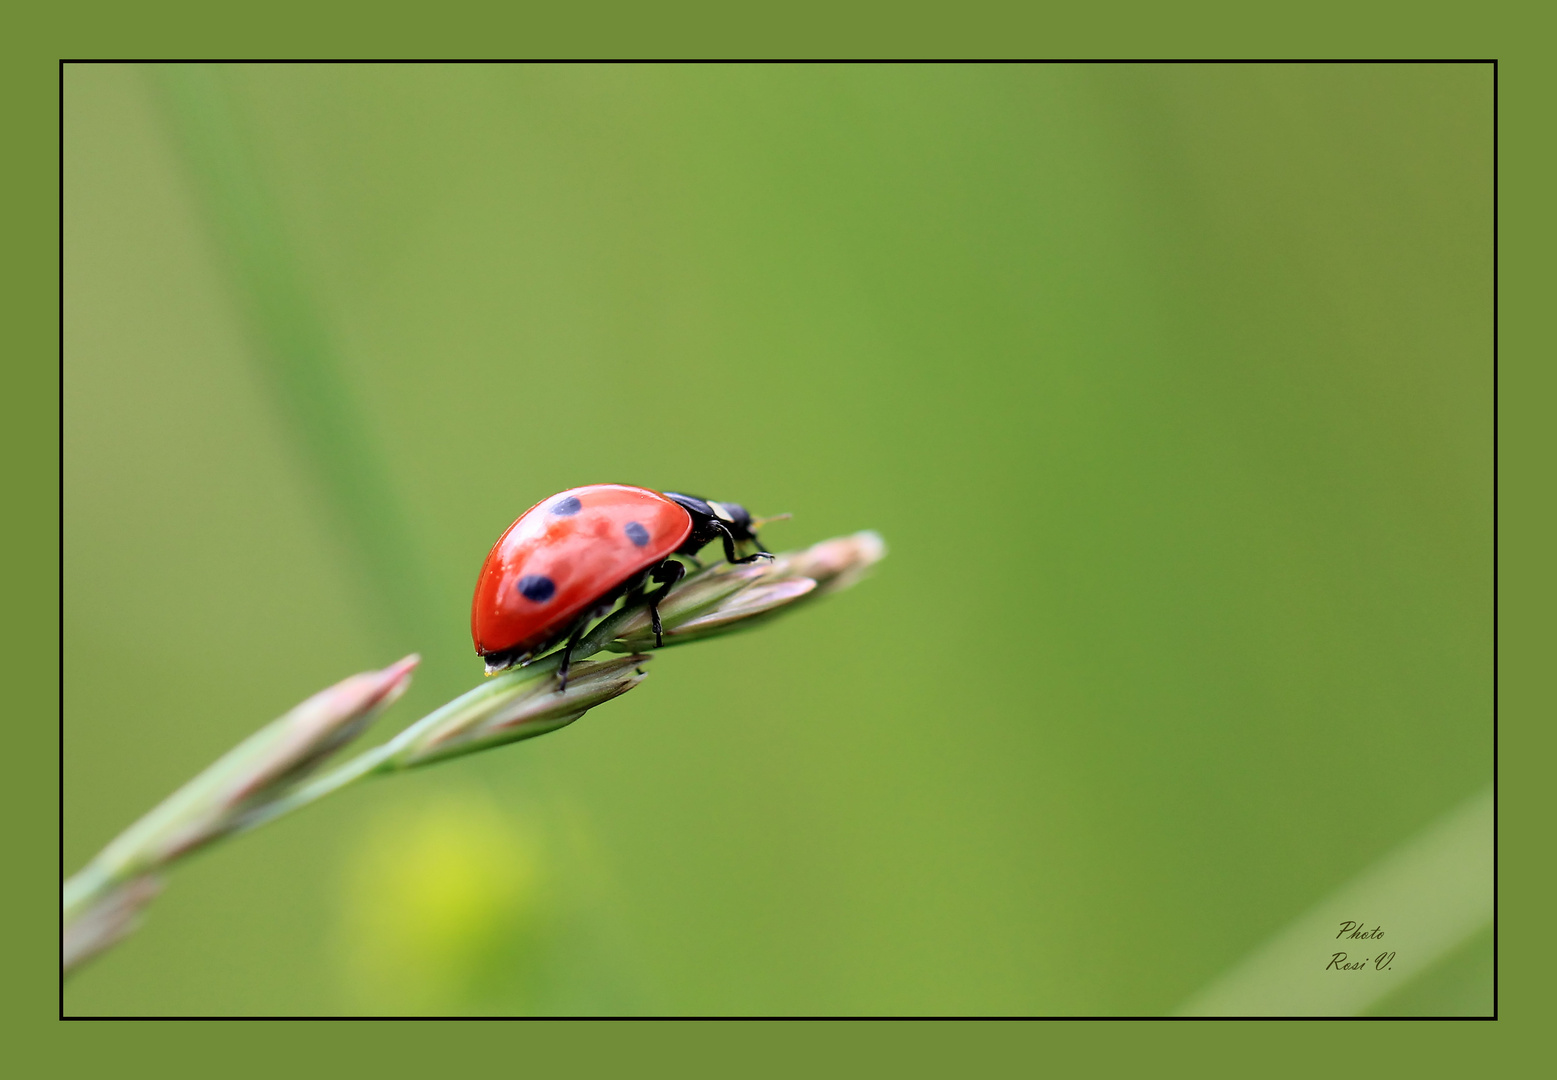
[292,344]
[1430,895]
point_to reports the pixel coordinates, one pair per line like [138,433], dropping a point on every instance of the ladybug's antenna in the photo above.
[760,522]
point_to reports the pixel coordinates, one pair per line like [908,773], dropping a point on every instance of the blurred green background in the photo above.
[1169,388]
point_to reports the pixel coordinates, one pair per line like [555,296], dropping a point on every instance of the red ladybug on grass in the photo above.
[572,555]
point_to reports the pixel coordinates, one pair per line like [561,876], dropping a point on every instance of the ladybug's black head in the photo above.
[730,521]
[735,516]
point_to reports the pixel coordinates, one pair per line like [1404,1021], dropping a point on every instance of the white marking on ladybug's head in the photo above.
[723,512]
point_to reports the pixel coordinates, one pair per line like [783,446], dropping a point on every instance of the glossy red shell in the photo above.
[584,542]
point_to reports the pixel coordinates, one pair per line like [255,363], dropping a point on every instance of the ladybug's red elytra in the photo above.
[570,556]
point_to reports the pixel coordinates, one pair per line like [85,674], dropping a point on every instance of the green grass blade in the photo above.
[292,343]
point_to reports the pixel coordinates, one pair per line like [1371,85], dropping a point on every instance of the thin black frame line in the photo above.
[833,61]
[60,410]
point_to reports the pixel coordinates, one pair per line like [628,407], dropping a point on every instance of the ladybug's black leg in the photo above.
[729,547]
[669,572]
[567,652]
[761,553]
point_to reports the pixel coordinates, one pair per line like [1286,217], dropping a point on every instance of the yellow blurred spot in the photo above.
[442,910]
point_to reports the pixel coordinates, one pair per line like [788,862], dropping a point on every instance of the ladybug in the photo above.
[569,557]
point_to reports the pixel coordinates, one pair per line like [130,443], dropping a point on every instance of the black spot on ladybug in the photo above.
[537,587]
[566,508]
[636,533]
